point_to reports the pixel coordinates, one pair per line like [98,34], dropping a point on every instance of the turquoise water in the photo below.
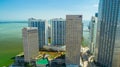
[86,33]
[13,30]
[8,30]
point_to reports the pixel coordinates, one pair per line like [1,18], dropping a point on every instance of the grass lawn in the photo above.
[9,48]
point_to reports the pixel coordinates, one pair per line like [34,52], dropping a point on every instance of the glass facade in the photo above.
[57,31]
[93,29]
[40,24]
[108,33]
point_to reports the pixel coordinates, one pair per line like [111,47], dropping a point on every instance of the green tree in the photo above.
[84,42]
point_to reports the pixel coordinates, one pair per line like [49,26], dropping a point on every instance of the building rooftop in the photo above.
[42,61]
[31,28]
[33,19]
[57,19]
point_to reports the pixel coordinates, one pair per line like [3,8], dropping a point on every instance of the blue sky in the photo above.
[46,9]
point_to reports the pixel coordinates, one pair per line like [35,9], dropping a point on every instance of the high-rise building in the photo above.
[57,31]
[74,34]
[30,43]
[49,34]
[42,30]
[108,33]
[93,32]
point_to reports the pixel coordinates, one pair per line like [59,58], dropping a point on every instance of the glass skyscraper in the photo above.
[41,25]
[108,33]
[93,29]
[57,31]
